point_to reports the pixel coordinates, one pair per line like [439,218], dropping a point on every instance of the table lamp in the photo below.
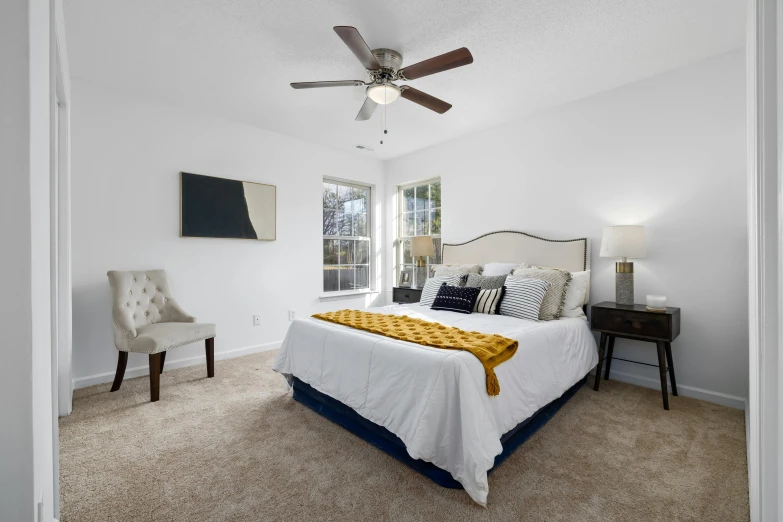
[624,241]
[421,247]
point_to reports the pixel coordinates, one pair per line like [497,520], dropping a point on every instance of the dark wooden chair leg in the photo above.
[662,371]
[155,359]
[210,347]
[609,357]
[122,362]
[671,368]
[601,347]
[162,360]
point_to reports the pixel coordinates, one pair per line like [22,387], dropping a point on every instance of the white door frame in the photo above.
[64,383]
[765,248]
[60,236]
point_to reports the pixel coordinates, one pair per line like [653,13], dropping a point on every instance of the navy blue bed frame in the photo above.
[387,441]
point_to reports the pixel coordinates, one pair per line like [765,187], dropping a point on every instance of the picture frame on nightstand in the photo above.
[406,276]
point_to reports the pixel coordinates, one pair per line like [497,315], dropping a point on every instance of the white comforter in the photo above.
[436,400]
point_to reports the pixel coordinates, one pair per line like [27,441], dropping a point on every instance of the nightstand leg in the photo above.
[609,357]
[670,361]
[662,371]
[601,347]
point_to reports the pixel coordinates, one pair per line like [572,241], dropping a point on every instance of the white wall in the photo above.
[667,153]
[126,157]
[26,453]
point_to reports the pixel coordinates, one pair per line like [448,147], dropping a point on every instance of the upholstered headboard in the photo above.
[509,246]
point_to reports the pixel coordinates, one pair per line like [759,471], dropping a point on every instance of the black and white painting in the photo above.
[226,208]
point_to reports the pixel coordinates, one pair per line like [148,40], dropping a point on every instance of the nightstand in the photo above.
[406,295]
[637,323]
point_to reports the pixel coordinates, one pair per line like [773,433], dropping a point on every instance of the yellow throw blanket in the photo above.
[490,349]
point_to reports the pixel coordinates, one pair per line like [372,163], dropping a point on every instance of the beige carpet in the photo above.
[239,448]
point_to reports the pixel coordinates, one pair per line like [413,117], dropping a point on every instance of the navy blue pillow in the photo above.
[456,299]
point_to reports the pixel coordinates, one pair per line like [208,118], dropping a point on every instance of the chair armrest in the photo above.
[175,313]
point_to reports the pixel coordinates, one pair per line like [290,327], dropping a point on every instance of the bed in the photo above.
[429,407]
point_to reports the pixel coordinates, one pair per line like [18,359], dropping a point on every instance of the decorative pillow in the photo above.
[577,295]
[552,307]
[523,297]
[482,281]
[489,299]
[447,270]
[497,269]
[456,299]
[433,284]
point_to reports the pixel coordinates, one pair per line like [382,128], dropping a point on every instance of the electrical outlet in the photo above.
[291,315]
[256,320]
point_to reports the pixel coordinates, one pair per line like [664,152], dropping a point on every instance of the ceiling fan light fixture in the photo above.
[383,93]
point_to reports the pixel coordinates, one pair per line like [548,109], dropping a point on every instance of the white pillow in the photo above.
[498,269]
[460,270]
[577,295]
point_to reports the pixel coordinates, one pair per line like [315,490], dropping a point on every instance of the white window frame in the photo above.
[400,238]
[336,294]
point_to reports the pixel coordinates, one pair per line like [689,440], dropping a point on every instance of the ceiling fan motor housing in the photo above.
[388,58]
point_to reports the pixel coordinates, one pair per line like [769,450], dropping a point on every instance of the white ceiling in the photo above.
[235,58]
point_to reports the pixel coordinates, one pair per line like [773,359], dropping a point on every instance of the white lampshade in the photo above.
[421,246]
[623,241]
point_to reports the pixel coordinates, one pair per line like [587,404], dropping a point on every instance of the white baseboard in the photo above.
[714,397]
[139,371]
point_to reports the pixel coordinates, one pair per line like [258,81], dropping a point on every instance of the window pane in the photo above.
[422,223]
[330,222]
[435,195]
[408,203]
[436,260]
[330,195]
[330,278]
[406,252]
[344,225]
[346,252]
[408,224]
[422,197]
[344,194]
[363,252]
[362,277]
[330,251]
[360,224]
[435,221]
[346,277]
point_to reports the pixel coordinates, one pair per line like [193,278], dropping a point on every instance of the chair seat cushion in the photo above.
[159,337]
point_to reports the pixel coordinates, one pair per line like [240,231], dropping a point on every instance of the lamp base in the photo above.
[624,283]
[420,262]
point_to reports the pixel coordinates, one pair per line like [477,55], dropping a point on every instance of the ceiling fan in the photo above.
[383,68]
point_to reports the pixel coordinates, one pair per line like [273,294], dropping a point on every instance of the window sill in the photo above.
[334,296]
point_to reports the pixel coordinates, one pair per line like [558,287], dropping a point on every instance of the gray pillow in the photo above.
[552,306]
[485,282]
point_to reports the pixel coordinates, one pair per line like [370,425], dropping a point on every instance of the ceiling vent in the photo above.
[364,147]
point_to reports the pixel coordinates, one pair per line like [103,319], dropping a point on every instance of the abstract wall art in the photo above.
[226,208]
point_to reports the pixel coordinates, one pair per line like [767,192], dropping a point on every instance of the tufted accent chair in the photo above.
[147,319]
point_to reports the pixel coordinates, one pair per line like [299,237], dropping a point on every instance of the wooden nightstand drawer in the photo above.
[631,323]
[406,295]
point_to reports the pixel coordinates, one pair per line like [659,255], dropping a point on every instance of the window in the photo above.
[347,236]
[419,215]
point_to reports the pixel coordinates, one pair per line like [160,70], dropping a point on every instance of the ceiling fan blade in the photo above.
[357,45]
[365,113]
[315,85]
[444,62]
[425,100]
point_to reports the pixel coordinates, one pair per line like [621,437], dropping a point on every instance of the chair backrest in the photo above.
[138,298]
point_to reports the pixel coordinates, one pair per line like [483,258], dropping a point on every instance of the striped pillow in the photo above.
[433,284]
[523,297]
[489,300]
